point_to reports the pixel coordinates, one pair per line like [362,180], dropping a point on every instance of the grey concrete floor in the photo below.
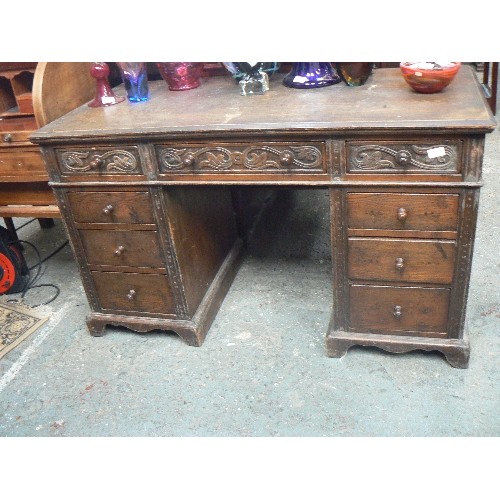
[262,370]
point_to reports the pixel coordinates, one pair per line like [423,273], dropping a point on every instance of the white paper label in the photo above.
[436,152]
[107,99]
[418,73]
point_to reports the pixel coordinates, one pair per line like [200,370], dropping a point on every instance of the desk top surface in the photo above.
[384,103]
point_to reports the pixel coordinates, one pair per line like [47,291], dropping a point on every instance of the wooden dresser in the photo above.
[145,193]
[24,190]
[32,95]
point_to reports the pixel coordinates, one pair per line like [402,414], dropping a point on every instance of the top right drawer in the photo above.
[415,157]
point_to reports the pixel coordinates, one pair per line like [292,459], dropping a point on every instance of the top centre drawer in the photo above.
[269,158]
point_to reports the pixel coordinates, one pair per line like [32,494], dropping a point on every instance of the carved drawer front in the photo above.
[398,309]
[399,157]
[21,162]
[122,248]
[133,292]
[99,161]
[242,158]
[424,261]
[424,212]
[111,207]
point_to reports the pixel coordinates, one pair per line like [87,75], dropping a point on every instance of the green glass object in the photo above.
[354,74]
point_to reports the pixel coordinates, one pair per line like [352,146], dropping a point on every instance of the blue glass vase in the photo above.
[135,79]
[307,75]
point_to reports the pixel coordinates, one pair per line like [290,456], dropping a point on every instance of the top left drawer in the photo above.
[114,207]
[99,161]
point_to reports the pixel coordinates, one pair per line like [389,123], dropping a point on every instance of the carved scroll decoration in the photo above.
[117,160]
[251,158]
[377,157]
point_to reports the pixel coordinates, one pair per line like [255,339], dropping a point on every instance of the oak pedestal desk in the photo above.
[145,195]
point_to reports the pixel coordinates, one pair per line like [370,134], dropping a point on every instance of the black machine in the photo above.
[14,272]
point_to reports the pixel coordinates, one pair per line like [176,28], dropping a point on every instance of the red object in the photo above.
[7,273]
[427,78]
[181,75]
[14,272]
[104,94]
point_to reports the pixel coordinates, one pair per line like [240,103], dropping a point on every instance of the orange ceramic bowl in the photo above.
[427,78]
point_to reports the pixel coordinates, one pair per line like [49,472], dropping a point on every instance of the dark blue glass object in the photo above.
[308,75]
[135,79]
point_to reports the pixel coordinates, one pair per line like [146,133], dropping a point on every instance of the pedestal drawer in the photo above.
[420,212]
[111,207]
[398,309]
[122,248]
[422,261]
[134,292]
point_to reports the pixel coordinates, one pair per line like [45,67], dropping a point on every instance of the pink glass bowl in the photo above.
[427,78]
[181,75]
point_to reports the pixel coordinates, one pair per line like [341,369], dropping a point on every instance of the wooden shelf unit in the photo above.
[32,95]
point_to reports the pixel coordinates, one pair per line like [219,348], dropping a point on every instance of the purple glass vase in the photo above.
[309,75]
[181,75]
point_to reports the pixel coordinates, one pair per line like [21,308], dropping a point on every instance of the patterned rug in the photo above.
[17,322]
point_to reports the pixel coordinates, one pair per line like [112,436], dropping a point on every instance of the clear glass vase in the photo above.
[253,78]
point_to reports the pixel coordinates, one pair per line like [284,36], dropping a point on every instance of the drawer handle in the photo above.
[402,214]
[403,158]
[96,162]
[286,159]
[7,137]
[107,209]
[188,160]
[131,294]
[400,264]
[398,312]
[119,250]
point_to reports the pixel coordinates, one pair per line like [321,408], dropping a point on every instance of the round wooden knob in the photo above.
[402,214]
[286,159]
[188,160]
[403,158]
[95,163]
[398,312]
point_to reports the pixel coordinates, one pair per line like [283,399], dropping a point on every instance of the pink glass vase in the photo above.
[181,75]
[104,95]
